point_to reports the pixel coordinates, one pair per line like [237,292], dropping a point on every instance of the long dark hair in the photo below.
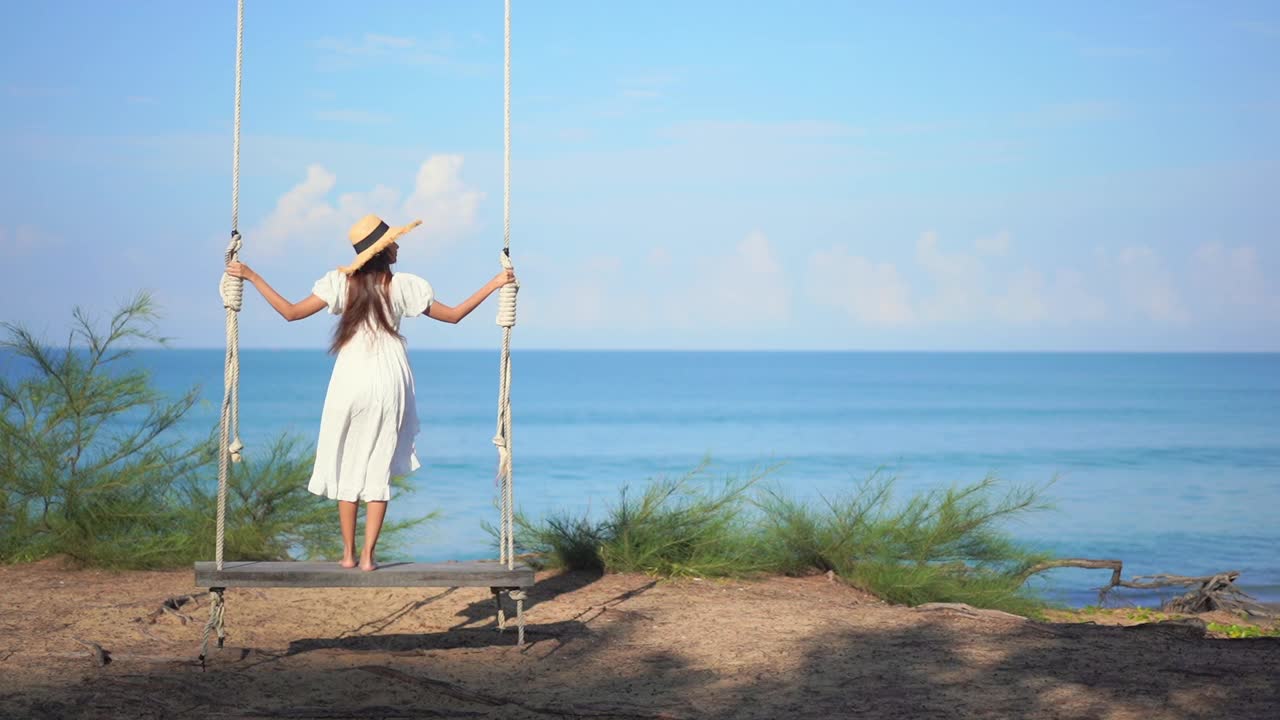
[367,302]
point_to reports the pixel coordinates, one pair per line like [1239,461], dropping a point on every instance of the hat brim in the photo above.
[389,237]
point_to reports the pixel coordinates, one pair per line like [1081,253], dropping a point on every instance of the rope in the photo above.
[506,319]
[506,130]
[235,141]
[217,613]
[519,596]
[232,291]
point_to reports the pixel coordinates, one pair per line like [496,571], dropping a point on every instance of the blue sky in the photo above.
[944,176]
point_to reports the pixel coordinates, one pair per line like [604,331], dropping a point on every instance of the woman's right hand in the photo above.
[238,269]
[506,277]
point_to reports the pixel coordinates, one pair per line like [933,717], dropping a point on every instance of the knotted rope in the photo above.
[217,611]
[507,320]
[232,291]
[519,596]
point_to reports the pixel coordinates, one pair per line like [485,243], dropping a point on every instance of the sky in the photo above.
[939,176]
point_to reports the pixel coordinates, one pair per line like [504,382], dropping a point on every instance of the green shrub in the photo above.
[561,541]
[676,527]
[680,528]
[938,546]
[1236,631]
[943,545]
[272,516]
[804,537]
[91,469]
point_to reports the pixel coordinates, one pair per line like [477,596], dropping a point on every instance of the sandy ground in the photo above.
[620,646]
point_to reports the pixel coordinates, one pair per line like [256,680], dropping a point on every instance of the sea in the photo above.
[1169,462]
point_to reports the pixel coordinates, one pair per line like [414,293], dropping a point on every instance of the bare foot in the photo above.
[368,566]
[347,563]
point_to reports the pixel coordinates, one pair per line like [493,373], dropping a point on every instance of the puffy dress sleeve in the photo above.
[411,295]
[332,289]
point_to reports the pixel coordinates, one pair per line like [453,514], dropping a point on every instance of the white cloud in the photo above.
[958,280]
[590,293]
[949,289]
[1071,299]
[446,205]
[1146,285]
[376,48]
[24,240]
[387,41]
[936,288]
[871,293]
[301,211]
[594,301]
[997,244]
[370,44]
[747,287]
[743,288]
[1228,275]
[305,218]
[1023,301]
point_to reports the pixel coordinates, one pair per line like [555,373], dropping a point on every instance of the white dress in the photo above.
[370,415]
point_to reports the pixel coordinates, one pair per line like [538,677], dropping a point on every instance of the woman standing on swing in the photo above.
[370,415]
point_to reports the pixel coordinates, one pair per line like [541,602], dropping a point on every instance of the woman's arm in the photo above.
[289,311]
[444,313]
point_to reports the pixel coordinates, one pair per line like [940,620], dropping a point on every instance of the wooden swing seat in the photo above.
[473,573]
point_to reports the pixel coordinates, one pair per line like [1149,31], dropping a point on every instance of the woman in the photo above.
[370,417]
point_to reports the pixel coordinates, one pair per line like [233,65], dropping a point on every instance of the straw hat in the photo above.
[370,236]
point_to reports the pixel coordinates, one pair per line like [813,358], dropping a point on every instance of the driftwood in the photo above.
[100,656]
[1181,628]
[1115,566]
[170,607]
[1205,593]
[968,611]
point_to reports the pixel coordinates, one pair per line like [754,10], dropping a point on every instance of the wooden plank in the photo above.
[476,573]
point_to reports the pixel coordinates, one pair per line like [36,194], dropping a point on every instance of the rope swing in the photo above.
[507,320]
[512,577]
[232,291]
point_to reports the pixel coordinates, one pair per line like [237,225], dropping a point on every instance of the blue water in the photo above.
[1169,462]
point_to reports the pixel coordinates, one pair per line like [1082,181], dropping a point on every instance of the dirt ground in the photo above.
[619,646]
